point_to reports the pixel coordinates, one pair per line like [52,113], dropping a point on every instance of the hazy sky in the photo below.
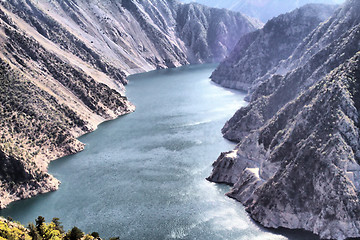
[261,9]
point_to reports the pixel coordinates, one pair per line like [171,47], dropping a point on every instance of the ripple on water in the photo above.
[142,176]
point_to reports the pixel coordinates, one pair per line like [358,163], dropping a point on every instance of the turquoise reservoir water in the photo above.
[142,176]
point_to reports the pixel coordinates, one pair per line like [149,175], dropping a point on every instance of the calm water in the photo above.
[142,176]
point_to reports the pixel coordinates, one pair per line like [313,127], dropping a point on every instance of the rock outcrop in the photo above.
[258,52]
[297,161]
[63,67]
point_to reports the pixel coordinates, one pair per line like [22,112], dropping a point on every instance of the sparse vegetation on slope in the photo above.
[53,30]
[37,125]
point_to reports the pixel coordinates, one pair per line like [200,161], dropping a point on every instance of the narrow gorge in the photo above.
[64,66]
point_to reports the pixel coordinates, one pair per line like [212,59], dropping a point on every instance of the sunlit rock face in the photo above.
[138,36]
[258,52]
[297,161]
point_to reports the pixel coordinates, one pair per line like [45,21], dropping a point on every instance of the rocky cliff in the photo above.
[258,52]
[209,32]
[63,67]
[138,36]
[262,10]
[301,168]
[297,161]
[273,92]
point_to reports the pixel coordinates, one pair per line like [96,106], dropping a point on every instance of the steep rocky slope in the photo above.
[209,32]
[45,104]
[341,24]
[138,36]
[301,169]
[262,10]
[258,52]
[63,67]
[274,92]
[297,161]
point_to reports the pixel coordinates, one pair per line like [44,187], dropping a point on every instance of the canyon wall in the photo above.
[296,164]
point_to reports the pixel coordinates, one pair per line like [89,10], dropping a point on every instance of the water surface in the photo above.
[142,176]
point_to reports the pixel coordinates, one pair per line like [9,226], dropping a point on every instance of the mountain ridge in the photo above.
[296,164]
[262,10]
[259,52]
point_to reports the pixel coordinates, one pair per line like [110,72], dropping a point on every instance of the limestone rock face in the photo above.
[343,22]
[297,161]
[258,52]
[19,179]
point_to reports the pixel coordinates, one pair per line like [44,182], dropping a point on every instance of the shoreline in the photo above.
[52,184]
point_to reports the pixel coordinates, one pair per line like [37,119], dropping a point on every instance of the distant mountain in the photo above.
[258,52]
[63,67]
[261,9]
[297,161]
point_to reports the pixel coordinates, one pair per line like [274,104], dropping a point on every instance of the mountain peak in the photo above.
[259,52]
